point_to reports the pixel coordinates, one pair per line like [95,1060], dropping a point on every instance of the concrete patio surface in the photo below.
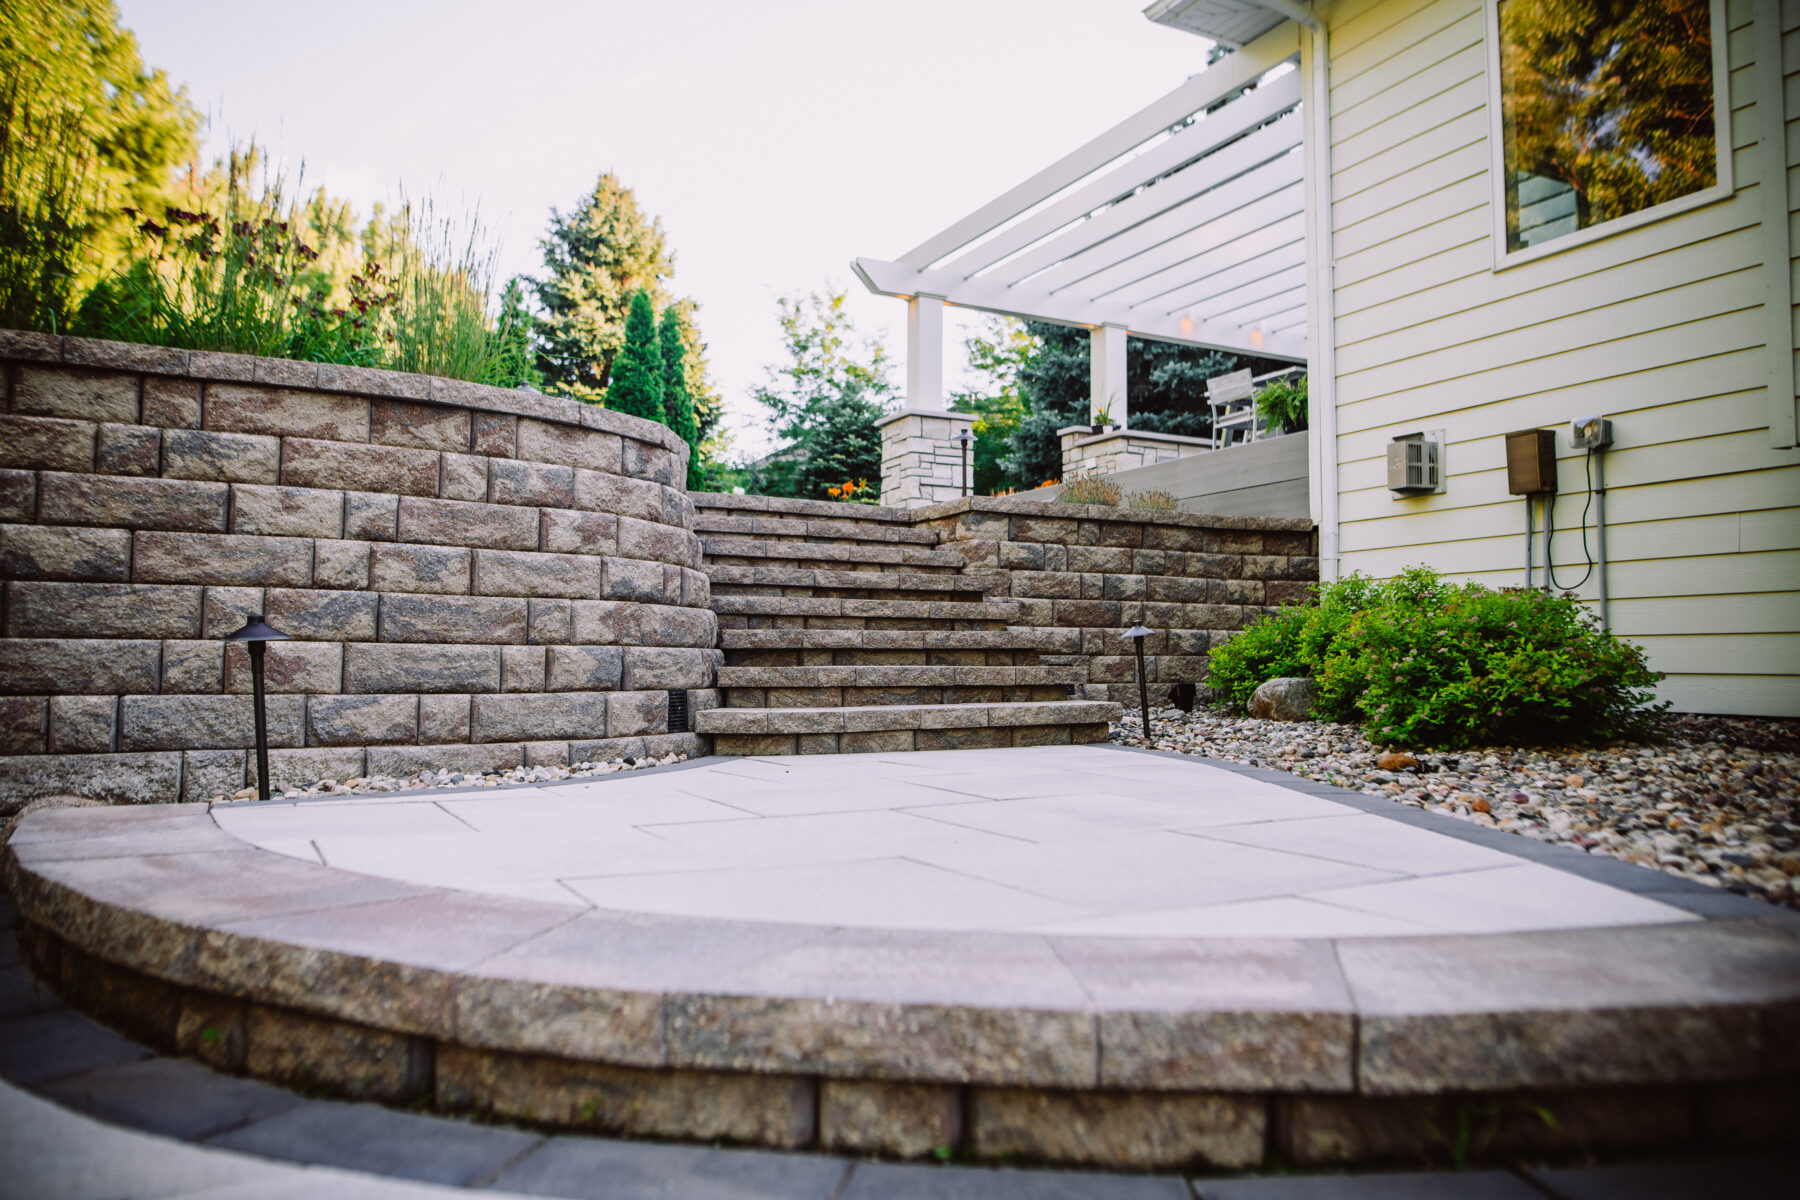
[1056,839]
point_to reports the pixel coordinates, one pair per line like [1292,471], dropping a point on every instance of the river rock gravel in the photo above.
[1718,800]
[457,780]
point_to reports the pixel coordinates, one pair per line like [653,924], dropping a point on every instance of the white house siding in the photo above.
[1658,328]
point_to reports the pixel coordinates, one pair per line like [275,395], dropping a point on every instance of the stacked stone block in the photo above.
[844,629]
[474,578]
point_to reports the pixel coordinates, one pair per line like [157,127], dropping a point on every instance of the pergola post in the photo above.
[1107,387]
[925,352]
[921,462]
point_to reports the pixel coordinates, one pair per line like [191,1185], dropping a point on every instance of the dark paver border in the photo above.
[1708,902]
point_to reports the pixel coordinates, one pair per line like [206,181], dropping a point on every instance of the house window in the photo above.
[1605,116]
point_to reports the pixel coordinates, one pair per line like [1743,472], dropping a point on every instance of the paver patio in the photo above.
[1056,839]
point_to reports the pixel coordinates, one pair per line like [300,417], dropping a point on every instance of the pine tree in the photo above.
[637,378]
[514,364]
[595,257]
[678,403]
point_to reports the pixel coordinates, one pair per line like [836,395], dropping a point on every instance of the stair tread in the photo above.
[827,606]
[869,718]
[870,552]
[802,527]
[917,581]
[899,675]
[882,639]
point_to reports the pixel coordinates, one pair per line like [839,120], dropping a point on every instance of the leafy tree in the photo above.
[1613,98]
[86,133]
[515,358]
[678,402]
[637,385]
[596,258]
[823,402]
[998,354]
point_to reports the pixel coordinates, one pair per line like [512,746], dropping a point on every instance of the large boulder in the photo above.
[1286,699]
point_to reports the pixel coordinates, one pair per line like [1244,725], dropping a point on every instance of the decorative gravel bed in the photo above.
[546,773]
[1717,801]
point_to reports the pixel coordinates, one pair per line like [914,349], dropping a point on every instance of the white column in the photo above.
[1106,361]
[925,353]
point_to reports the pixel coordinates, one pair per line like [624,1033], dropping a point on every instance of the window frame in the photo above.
[1723,189]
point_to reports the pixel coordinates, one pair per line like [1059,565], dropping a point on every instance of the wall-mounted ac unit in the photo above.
[1415,464]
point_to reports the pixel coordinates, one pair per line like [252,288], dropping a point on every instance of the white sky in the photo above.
[775,139]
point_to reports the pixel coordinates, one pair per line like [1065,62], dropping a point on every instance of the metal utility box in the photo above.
[1531,462]
[1413,465]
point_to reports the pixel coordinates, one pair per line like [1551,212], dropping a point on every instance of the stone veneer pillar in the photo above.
[1088,453]
[921,462]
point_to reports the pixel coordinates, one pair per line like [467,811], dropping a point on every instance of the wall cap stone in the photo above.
[25,346]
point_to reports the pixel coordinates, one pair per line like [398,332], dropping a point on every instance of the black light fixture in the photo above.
[1137,634]
[257,632]
[965,439]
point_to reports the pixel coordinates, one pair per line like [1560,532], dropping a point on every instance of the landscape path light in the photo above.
[257,633]
[1137,634]
[965,439]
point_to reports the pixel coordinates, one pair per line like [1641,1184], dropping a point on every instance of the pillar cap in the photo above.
[939,413]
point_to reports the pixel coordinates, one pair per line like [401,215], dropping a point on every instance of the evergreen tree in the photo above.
[678,403]
[596,258]
[823,403]
[515,357]
[637,383]
[1167,384]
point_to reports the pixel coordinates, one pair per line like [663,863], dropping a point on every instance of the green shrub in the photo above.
[1420,661]
[1090,489]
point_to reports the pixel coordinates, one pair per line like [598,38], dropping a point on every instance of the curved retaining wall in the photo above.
[474,577]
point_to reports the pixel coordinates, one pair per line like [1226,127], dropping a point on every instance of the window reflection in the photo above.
[1606,110]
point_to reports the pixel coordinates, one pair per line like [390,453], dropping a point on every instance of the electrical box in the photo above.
[1414,465]
[1591,433]
[1531,462]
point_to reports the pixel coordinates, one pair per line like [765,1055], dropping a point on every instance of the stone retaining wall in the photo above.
[1088,572]
[474,577]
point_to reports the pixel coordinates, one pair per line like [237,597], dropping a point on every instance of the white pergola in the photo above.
[1185,222]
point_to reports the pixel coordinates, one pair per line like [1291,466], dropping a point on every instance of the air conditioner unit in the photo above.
[1415,465]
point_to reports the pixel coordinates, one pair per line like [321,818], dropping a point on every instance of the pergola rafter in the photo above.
[1182,223]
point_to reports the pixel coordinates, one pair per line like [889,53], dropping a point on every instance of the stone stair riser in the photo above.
[901,740]
[823,697]
[884,675]
[881,580]
[739,638]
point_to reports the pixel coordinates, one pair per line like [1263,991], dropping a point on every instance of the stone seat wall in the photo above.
[474,578]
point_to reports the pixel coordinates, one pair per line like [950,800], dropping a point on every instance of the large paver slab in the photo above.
[169,1097]
[1462,1185]
[585,1169]
[1688,1179]
[43,1046]
[888,1181]
[361,1137]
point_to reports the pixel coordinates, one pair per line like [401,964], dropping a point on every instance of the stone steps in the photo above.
[853,609]
[847,631]
[896,676]
[882,639]
[723,549]
[899,727]
[871,580]
[813,527]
